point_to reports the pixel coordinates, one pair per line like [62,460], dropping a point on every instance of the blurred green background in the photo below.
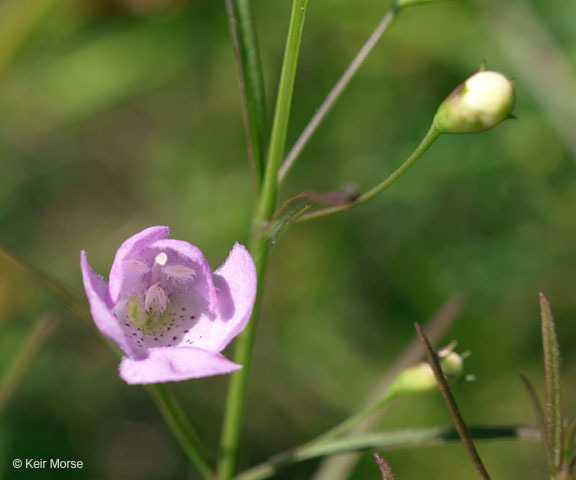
[120,114]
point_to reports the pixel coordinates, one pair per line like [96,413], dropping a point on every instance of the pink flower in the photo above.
[167,311]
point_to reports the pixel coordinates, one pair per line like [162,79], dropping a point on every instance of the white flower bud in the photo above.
[480,103]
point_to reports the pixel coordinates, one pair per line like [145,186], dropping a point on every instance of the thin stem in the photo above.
[23,359]
[181,428]
[386,440]
[459,422]
[335,93]
[282,112]
[425,144]
[259,244]
[251,79]
[355,419]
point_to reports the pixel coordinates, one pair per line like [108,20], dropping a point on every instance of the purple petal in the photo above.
[172,364]
[203,283]
[127,250]
[236,284]
[105,321]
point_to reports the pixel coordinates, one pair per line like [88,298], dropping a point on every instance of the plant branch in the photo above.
[336,92]
[424,145]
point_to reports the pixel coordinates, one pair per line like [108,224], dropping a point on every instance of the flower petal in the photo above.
[202,282]
[236,285]
[172,364]
[127,250]
[105,321]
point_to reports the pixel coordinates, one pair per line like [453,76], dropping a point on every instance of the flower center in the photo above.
[150,313]
[151,310]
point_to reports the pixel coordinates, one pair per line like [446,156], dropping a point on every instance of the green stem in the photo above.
[356,418]
[266,204]
[336,92]
[251,79]
[418,437]
[425,144]
[260,243]
[23,359]
[181,427]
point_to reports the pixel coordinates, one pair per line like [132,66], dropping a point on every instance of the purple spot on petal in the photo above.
[183,309]
[186,331]
[156,338]
[192,317]
[174,338]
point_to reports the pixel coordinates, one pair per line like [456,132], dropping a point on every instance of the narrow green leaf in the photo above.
[450,401]
[387,440]
[20,364]
[553,412]
[251,80]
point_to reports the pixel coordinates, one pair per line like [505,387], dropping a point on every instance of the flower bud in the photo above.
[480,103]
[420,377]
